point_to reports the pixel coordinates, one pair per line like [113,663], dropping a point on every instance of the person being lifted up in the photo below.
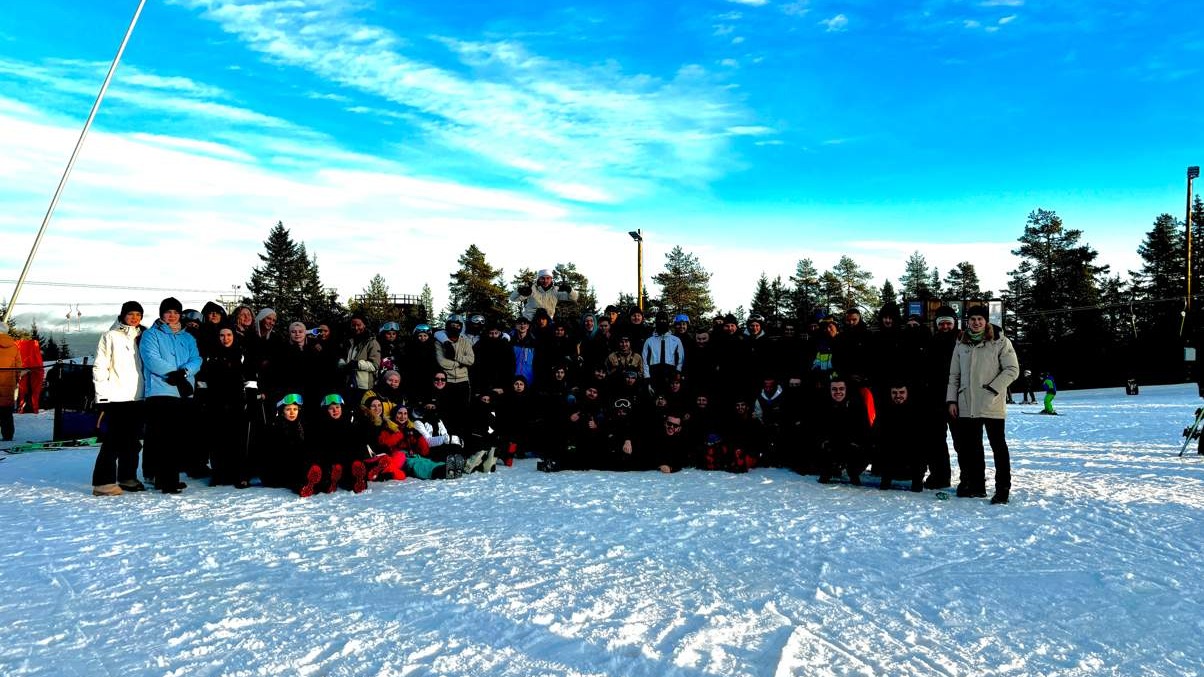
[542,294]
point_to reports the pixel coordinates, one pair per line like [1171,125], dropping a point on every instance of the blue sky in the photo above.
[389,136]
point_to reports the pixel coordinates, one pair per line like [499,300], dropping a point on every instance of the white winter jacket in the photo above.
[975,367]
[542,298]
[117,372]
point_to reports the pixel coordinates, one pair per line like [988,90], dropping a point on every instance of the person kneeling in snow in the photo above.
[899,434]
[844,438]
[339,449]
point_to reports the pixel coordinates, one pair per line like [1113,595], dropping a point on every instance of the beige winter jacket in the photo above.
[991,362]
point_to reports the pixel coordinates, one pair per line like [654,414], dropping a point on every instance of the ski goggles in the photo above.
[291,398]
[332,399]
[390,326]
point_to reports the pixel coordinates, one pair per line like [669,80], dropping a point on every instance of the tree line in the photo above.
[1064,311]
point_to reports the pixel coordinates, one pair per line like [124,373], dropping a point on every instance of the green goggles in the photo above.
[332,399]
[291,398]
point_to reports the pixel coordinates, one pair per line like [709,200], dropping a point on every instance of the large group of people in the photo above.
[243,396]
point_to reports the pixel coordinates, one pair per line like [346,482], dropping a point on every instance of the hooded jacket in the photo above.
[976,366]
[10,365]
[117,371]
[164,351]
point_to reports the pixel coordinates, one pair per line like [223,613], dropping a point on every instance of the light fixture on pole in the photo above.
[1192,173]
[639,267]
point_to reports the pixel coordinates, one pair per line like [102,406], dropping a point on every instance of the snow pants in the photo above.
[971,457]
[117,460]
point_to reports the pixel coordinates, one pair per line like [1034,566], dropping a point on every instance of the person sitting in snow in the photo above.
[899,435]
[288,460]
[339,449]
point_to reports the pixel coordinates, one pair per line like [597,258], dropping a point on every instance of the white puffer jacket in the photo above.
[117,372]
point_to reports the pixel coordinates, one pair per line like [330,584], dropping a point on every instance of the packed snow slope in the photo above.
[1094,568]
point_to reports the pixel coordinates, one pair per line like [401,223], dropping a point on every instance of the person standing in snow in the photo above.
[984,363]
[1051,391]
[170,361]
[117,378]
[10,373]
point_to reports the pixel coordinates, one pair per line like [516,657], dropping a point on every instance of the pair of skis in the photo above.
[1193,433]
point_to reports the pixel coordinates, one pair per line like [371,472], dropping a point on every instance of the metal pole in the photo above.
[71,162]
[1192,173]
[639,271]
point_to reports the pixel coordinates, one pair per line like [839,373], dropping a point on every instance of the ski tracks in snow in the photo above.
[1090,570]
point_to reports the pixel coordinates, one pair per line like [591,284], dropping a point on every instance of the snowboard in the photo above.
[50,446]
[1193,432]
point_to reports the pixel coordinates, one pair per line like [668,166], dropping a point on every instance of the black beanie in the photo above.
[170,303]
[131,307]
[980,311]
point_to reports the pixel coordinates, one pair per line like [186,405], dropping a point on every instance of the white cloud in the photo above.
[836,24]
[513,108]
[750,130]
[1007,19]
[971,23]
[750,3]
[795,8]
[1002,3]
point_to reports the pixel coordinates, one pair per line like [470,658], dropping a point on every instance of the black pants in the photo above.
[7,427]
[167,426]
[939,470]
[971,458]
[117,460]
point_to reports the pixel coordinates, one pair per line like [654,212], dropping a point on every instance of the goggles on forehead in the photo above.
[291,398]
[332,399]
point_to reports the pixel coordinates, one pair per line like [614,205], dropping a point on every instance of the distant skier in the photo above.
[1051,391]
[1026,386]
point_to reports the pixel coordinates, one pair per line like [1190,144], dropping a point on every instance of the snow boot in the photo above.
[454,468]
[336,474]
[312,477]
[999,499]
[473,462]
[131,485]
[107,490]
[489,463]
[359,473]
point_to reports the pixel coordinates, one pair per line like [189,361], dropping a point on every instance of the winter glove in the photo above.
[990,390]
[565,287]
[524,290]
[174,377]
[449,351]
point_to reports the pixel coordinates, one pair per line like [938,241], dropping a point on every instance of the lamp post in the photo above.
[1192,173]
[639,266]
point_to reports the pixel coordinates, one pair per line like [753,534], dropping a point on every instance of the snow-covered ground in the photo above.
[1094,568]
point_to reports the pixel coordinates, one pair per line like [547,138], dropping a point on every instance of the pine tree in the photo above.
[935,287]
[685,285]
[374,302]
[888,294]
[51,351]
[855,284]
[288,281]
[914,284]
[1061,320]
[427,300]
[805,294]
[586,296]
[64,349]
[962,282]
[1163,260]
[478,287]
[762,300]
[779,294]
